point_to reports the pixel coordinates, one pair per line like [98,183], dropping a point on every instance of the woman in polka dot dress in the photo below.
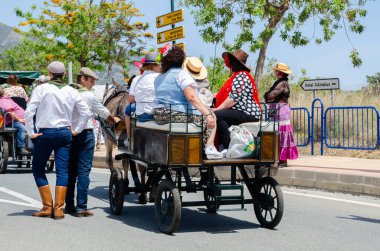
[237,101]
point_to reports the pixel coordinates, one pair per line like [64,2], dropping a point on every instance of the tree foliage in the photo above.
[258,20]
[90,33]
[373,84]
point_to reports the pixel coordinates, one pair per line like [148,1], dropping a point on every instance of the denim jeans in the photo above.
[20,133]
[52,139]
[145,117]
[80,163]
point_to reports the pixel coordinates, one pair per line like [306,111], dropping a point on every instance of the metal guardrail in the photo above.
[339,127]
[353,127]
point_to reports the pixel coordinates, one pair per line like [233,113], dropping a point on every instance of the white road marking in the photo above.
[20,203]
[333,199]
[31,202]
[98,170]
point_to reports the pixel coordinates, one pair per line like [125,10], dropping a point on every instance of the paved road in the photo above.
[313,220]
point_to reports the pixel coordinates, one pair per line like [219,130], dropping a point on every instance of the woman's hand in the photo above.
[211,121]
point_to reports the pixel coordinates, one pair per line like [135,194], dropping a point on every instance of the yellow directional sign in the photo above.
[170,35]
[170,18]
[182,45]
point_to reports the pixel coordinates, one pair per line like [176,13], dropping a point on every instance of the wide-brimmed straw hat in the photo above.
[195,67]
[282,68]
[238,56]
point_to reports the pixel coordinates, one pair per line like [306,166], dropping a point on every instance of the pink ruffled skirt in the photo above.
[288,148]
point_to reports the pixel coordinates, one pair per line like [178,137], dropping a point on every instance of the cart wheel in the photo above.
[167,207]
[49,166]
[270,205]
[4,154]
[116,191]
[210,199]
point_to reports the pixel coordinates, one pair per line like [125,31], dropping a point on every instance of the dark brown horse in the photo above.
[116,102]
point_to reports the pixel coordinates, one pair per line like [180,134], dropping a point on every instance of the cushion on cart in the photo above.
[172,127]
[254,127]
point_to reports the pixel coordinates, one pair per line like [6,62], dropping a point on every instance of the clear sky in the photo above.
[328,60]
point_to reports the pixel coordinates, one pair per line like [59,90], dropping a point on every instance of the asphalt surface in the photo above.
[313,220]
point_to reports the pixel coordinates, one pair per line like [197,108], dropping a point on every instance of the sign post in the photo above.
[171,19]
[170,35]
[321,84]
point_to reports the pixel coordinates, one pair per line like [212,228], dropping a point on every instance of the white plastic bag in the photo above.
[242,144]
[206,96]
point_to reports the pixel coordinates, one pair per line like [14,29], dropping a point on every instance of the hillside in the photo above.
[8,37]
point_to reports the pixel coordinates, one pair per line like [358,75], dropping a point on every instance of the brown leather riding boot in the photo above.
[47,201]
[60,195]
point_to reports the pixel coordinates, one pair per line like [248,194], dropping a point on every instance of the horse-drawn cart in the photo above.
[169,152]
[8,135]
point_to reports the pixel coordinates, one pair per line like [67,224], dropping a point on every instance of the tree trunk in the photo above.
[261,61]
[273,22]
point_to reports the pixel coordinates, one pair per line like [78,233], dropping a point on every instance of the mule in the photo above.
[116,102]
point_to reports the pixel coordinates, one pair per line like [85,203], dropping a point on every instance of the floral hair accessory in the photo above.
[164,51]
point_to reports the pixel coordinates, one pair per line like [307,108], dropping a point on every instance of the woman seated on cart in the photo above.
[237,101]
[175,87]
[13,109]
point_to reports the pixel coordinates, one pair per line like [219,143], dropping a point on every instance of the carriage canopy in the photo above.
[25,77]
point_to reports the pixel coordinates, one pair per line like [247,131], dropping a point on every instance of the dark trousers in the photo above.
[52,139]
[80,163]
[226,118]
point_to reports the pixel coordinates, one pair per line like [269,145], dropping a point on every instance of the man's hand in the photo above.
[74,133]
[22,121]
[36,135]
[116,119]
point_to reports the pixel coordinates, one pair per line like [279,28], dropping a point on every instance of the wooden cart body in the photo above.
[170,152]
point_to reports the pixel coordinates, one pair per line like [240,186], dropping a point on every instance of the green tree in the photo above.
[91,33]
[258,20]
[373,84]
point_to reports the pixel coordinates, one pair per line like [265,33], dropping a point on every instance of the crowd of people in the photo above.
[59,117]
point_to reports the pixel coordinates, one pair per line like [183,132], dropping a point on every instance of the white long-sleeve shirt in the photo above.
[95,107]
[54,108]
[144,92]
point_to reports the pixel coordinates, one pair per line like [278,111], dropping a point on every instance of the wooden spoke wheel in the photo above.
[167,207]
[210,199]
[4,154]
[116,192]
[49,166]
[270,206]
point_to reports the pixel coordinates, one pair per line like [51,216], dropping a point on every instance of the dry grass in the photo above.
[302,98]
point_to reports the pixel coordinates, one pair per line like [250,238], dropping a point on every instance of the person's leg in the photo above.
[62,149]
[85,157]
[43,146]
[145,117]
[131,108]
[73,174]
[20,134]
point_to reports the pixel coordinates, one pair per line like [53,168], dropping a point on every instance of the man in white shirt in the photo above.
[52,104]
[83,145]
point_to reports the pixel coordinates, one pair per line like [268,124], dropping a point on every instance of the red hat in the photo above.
[139,64]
